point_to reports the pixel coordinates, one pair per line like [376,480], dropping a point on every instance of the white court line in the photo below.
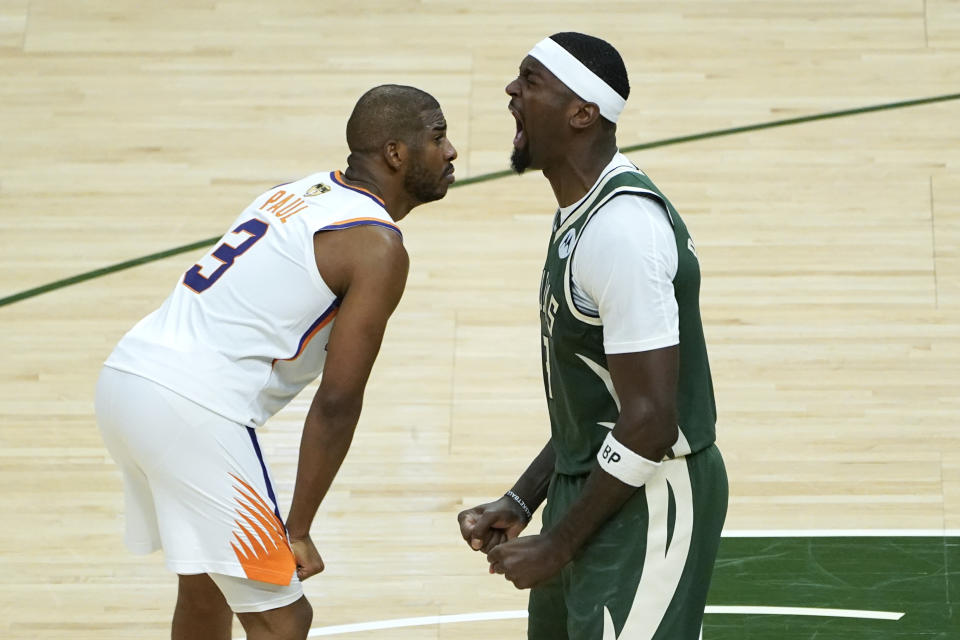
[416,622]
[841,533]
[809,611]
[398,623]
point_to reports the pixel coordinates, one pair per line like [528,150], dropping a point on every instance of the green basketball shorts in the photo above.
[645,574]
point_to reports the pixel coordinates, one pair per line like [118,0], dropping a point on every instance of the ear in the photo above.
[585,115]
[395,154]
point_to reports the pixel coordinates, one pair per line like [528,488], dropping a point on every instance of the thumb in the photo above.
[481,530]
[496,554]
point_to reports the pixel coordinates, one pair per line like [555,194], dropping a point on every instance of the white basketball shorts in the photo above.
[196,486]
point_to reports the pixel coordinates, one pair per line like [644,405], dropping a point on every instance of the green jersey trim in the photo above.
[626,190]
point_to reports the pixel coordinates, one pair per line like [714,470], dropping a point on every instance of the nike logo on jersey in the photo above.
[566,245]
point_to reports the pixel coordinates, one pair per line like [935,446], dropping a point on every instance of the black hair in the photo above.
[387,112]
[599,56]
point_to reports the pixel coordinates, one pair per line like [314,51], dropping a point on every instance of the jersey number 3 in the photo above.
[225,254]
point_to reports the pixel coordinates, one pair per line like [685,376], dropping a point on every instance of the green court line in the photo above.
[120,266]
[791,121]
[96,273]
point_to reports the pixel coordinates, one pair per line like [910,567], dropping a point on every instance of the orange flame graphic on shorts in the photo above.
[264,552]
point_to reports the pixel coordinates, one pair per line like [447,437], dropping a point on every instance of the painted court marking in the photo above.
[398,623]
[842,533]
[416,622]
[808,611]
[422,621]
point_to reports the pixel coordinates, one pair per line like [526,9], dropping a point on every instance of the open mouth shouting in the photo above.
[519,139]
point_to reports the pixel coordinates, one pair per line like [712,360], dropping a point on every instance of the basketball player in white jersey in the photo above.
[303,282]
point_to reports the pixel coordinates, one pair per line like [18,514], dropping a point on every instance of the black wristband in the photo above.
[519,501]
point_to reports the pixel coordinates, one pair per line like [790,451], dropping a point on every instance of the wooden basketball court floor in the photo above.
[831,295]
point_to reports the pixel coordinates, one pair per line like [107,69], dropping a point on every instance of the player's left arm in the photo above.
[367,267]
[630,275]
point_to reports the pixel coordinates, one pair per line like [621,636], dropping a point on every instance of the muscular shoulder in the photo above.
[366,251]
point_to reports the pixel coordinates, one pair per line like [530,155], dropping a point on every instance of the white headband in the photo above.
[579,78]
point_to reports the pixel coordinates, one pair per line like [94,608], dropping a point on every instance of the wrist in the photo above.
[296,530]
[517,502]
[624,464]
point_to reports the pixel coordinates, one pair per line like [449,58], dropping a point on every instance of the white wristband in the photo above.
[623,464]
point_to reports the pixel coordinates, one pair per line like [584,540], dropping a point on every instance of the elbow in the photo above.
[671,433]
[663,432]
[337,410]
[654,427]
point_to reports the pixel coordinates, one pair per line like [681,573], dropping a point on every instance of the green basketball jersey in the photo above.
[580,395]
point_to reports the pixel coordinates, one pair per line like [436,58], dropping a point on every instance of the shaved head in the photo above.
[388,112]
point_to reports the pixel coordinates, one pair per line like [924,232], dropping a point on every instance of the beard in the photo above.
[520,159]
[422,185]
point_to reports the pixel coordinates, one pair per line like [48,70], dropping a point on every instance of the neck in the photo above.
[578,169]
[382,184]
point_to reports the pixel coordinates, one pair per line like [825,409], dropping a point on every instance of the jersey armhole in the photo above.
[359,222]
[573,252]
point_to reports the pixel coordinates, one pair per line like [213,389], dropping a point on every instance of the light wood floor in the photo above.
[830,251]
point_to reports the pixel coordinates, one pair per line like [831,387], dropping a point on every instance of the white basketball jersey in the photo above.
[246,328]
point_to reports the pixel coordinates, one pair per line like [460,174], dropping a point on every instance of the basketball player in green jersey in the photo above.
[635,489]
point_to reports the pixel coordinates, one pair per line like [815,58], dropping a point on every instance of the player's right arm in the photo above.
[367,268]
[487,525]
